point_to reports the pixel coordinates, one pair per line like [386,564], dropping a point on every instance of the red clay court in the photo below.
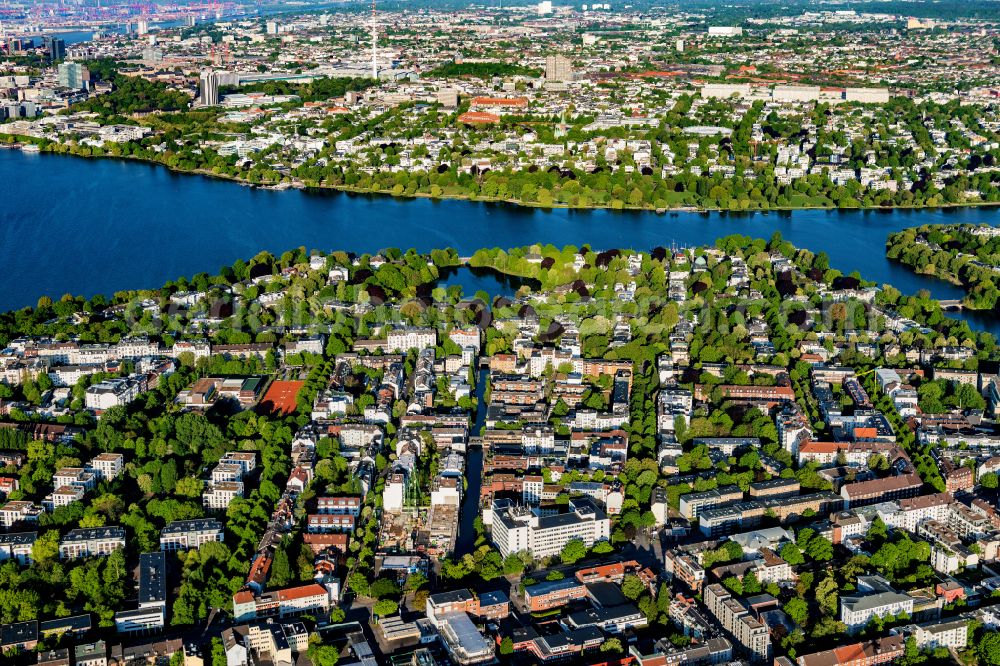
[280,397]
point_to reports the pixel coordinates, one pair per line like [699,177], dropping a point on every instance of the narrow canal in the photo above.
[474,475]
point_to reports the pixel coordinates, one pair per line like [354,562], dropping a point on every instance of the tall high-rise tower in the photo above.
[209,88]
[374,45]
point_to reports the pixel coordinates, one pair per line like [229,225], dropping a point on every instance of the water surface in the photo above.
[86,226]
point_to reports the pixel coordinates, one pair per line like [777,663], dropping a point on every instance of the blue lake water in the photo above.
[475,280]
[86,226]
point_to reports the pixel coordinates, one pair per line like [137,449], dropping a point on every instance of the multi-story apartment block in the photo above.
[730,518]
[737,621]
[342,506]
[17,546]
[106,466]
[247,460]
[685,567]
[517,529]
[466,337]
[151,613]
[185,534]
[63,496]
[197,348]
[952,634]
[692,504]
[881,490]
[321,523]
[114,392]
[404,339]
[490,606]
[19,512]
[137,348]
[91,542]
[915,510]
[74,476]
[289,602]
[874,598]
[869,653]
[550,594]
[218,496]
[226,472]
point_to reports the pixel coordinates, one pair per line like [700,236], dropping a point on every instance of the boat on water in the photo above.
[30,148]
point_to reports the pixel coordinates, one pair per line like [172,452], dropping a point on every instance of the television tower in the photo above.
[374,45]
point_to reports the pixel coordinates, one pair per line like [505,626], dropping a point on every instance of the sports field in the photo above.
[280,397]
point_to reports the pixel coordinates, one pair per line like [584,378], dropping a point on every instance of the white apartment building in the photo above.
[74,476]
[466,338]
[185,534]
[91,542]
[517,528]
[915,510]
[247,460]
[17,546]
[874,598]
[360,435]
[952,634]
[404,339]
[63,496]
[137,348]
[199,348]
[112,393]
[539,439]
[394,492]
[107,466]
[226,472]
[217,496]
[19,511]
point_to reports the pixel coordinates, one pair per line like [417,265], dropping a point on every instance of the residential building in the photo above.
[91,542]
[952,634]
[17,546]
[91,654]
[16,512]
[691,504]
[217,496]
[289,602]
[151,614]
[344,506]
[550,594]
[873,598]
[114,392]
[881,490]
[73,75]
[18,636]
[518,528]
[558,69]
[185,534]
[747,631]
[868,653]
[404,339]
[106,466]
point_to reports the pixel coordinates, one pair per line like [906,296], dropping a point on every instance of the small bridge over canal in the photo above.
[952,304]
